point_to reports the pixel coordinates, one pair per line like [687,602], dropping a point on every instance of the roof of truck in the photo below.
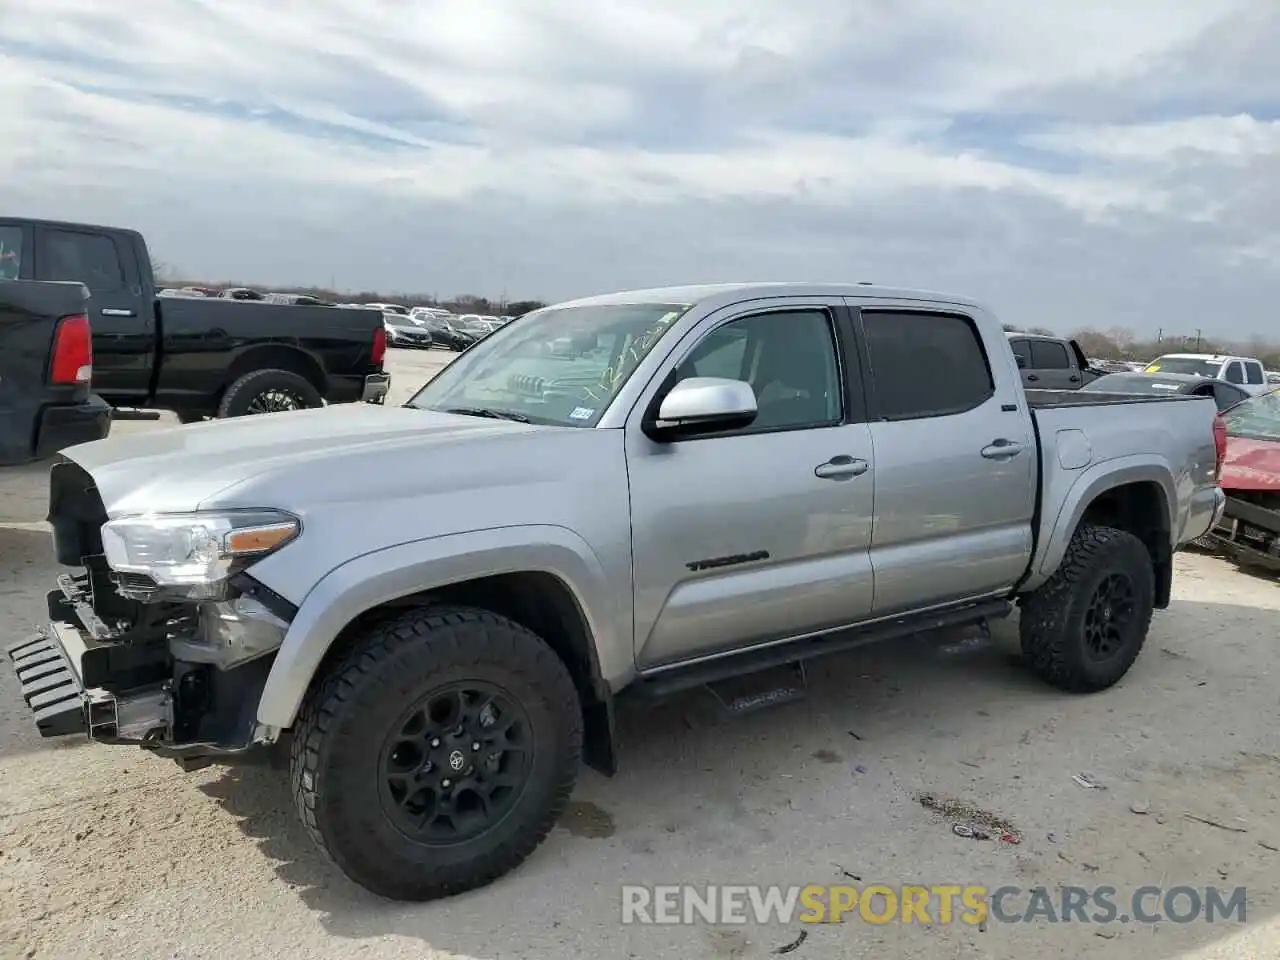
[697,293]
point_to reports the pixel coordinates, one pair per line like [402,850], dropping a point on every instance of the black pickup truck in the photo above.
[197,357]
[46,365]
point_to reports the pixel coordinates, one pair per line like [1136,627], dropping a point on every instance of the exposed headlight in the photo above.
[195,550]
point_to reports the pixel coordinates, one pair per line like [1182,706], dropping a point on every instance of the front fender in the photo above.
[376,578]
[1087,487]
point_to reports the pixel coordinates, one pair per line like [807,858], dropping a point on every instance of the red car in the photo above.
[1250,525]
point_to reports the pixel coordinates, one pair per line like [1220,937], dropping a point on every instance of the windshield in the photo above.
[1205,368]
[1257,418]
[559,365]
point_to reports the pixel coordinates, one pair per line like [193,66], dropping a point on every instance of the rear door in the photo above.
[123,321]
[1255,376]
[1051,364]
[955,461]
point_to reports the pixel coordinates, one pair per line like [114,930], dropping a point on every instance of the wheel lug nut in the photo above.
[445,784]
[475,746]
[435,741]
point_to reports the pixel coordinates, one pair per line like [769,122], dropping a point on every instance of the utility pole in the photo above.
[1160,335]
[1197,340]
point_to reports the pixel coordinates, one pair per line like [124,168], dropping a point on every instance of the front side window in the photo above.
[1257,418]
[1235,372]
[926,364]
[1021,348]
[788,357]
[1255,374]
[559,365]
[10,253]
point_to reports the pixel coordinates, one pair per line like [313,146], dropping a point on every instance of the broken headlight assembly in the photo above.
[193,557]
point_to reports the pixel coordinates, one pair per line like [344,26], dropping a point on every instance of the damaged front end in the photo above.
[1249,530]
[163,641]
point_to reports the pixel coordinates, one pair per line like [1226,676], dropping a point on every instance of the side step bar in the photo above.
[671,680]
[50,685]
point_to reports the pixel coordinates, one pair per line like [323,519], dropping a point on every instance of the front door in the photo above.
[123,323]
[757,534]
[955,462]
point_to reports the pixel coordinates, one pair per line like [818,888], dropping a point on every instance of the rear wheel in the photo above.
[269,391]
[1082,630]
[438,754]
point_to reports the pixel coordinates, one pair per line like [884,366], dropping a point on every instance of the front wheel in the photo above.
[1082,629]
[438,754]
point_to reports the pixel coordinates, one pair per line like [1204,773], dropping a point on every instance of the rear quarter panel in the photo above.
[29,314]
[1086,450]
[202,341]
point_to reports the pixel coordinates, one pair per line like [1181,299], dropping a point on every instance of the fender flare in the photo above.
[373,579]
[1092,483]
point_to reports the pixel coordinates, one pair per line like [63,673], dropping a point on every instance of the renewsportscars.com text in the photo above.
[968,904]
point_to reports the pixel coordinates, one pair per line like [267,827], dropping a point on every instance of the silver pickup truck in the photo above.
[438,605]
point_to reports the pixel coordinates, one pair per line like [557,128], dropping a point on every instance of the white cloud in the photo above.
[1048,157]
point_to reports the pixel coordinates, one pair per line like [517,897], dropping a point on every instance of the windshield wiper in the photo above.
[489,412]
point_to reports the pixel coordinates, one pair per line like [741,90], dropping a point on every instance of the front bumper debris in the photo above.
[1248,533]
[50,678]
[376,386]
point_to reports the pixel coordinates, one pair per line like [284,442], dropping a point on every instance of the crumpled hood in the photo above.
[1251,465]
[183,468]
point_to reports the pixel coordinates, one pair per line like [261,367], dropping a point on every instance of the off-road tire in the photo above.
[1052,624]
[241,394]
[337,739]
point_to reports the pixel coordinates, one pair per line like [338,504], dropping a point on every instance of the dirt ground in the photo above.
[111,852]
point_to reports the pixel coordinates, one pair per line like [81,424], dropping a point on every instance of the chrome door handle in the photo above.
[1001,450]
[841,468]
[115,312]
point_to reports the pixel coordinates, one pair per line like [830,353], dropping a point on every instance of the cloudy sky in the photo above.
[1072,162]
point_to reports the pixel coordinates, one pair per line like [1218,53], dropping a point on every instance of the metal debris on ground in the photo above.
[859,769]
[794,944]
[1088,781]
[1216,823]
[969,831]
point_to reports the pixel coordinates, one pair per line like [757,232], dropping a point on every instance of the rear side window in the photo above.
[10,253]
[1235,372]
[1049,355]
[925,364]
[90,258]
[1254,372]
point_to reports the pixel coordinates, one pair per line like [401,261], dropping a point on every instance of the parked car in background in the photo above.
[1050,363]
[1250,525]
[201,357]
[1245,372]
[403,332]
[46,366]
[389,308]
[1273,377]
[447,332]
[241,293]
[298,300]
[1224,394]
[445,601]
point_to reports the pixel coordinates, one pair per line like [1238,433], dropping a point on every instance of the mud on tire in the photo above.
[378,736]
[1082,629]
